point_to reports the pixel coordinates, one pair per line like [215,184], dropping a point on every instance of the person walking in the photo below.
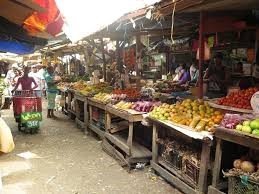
[52,90]
[26,82]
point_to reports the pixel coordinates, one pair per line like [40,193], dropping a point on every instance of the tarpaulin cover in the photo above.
[16,47]
[38,22]
[10,30]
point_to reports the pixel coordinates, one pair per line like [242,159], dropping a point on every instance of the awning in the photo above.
[16,47]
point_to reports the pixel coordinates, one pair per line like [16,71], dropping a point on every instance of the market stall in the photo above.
[97,113]
[123,140]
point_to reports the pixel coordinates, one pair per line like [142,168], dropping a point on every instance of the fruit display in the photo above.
[240,99]
[102,97]
[73,78]
[124,105]
[249,127]
[196,114]
[89,90]
[167,86]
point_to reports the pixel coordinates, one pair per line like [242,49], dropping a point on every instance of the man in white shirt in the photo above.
[38,79]
[10,77]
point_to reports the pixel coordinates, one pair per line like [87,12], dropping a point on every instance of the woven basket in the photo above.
[235,186]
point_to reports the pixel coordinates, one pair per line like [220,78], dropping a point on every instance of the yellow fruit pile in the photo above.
[124,105]
[194,113]
[103,97]
[89,90]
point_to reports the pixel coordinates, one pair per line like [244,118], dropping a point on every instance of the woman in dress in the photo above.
[51,90]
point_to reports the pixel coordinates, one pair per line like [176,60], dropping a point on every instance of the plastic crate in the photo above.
[236,186]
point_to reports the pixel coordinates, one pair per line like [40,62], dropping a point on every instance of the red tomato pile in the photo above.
[240,99]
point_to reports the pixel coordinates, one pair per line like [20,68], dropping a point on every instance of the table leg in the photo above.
[85,114]
[154,144]
[217,163]
[203,175]
[90,114]
[108,122]
[130,137]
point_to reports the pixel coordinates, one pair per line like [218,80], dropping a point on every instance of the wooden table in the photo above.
[81,99]
[228,135]
[177,177]
[92,103]
[114,143]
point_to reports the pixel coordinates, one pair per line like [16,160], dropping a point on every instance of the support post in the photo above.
[138,58]
[104,60]
[201,54]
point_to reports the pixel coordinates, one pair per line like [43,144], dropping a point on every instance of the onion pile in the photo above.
[230,121]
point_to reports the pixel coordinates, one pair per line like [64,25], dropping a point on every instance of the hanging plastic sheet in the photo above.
[16,47]
[39,22]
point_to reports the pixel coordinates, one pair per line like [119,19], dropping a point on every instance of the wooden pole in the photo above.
[138,58]
[104,60]
[201,54]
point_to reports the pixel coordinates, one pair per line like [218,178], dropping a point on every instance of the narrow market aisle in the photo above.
[69,162]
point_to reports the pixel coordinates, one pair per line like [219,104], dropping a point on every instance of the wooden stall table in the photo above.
[81,112]
[121,144]
[171,174]
[92,103]
[228,135]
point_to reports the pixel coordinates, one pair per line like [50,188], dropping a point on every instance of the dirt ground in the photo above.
[69,162]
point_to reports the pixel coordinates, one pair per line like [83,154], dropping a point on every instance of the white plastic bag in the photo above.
[6,138]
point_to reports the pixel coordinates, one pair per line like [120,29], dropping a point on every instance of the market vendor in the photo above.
[194,73]
[216,77]
[184,75]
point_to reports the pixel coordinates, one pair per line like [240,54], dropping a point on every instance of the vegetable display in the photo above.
[240,99]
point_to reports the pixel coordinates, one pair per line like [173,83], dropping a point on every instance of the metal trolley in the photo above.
[27,107]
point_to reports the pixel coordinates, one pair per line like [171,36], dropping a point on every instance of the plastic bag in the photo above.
[6,138]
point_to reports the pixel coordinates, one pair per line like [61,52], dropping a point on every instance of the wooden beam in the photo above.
[201,54]
[104,60]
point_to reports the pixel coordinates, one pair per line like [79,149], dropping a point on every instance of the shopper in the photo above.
[39,80]
[51,90]
[41,71]
[10,77]
[26,82]
[217,76]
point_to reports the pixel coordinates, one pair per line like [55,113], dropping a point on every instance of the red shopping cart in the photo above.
[27,109]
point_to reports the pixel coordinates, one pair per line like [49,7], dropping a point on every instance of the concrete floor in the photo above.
[69,163]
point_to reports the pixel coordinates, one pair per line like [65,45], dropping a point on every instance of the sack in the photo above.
[6,138]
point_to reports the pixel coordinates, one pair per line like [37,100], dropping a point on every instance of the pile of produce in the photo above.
[240,99]
[246,166]
[102,97]
[73,78]
[196,114]
[167,86]
[144,106]
[124,105]
[140,106]
[89,90]
[130,94]
[250,127]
